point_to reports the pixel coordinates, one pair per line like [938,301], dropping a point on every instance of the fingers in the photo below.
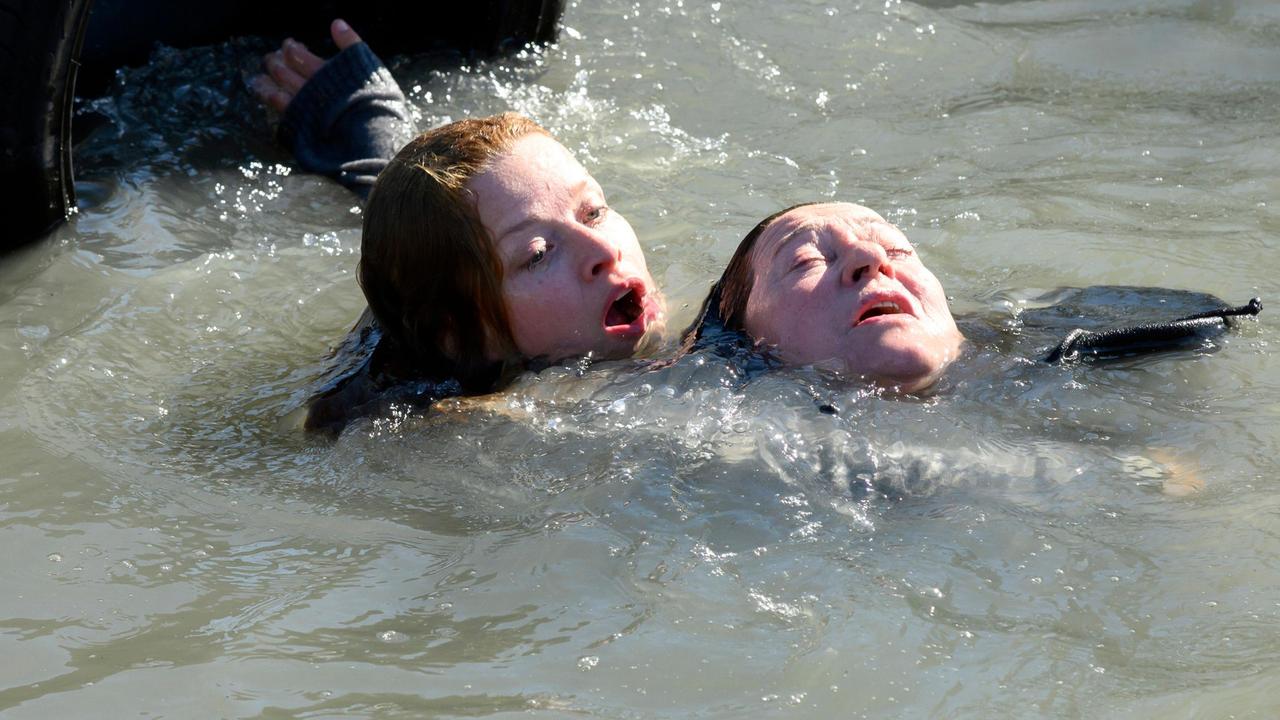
[285,76]
[281,82]
[271,94]
[300,59]
[290,67]
[343,36]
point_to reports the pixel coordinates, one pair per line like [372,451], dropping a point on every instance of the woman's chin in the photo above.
[910,385]
[907,371]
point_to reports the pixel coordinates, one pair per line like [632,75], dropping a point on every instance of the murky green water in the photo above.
[626,541]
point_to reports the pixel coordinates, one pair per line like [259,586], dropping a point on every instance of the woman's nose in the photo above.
[599,253]
[863,261]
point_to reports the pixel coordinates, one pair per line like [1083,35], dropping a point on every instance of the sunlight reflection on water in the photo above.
[667,540]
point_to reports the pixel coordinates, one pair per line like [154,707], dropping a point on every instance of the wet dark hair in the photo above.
[437,323]
[725,308]
[428,267]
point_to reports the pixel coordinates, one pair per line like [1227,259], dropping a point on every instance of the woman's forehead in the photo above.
[536,179]
[806,218]
[536,160]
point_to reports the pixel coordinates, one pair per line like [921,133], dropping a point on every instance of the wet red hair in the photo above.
[428,267]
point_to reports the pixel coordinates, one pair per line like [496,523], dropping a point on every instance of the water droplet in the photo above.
[588,662]
[55,557]
[391,637]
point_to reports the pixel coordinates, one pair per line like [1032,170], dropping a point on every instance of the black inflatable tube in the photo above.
[39,43]
[45,45]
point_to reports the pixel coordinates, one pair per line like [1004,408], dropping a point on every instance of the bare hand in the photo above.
[290,67]
[1183,476]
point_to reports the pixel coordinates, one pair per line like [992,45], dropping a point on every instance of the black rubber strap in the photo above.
[1150,337]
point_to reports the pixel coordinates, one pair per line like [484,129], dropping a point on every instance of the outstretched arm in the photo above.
[344,117]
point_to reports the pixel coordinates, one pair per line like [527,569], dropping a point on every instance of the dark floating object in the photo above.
[45,45]
[1121,342]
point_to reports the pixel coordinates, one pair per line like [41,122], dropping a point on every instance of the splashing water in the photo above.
[668,539]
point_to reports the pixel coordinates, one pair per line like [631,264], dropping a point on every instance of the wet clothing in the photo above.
[1114,322]
[349,120]
[367,379]
[1002,417]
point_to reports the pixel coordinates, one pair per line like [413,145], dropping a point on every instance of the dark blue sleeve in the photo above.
[349,120]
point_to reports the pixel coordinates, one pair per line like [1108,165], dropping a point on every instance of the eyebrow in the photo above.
[518,227]
[786,240]
[576,191]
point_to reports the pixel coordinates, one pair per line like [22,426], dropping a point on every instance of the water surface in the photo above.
[622,540]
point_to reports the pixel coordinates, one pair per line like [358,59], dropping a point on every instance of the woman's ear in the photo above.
[447,340]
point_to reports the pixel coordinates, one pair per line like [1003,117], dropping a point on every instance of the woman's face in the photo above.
[837,285]
[575,280]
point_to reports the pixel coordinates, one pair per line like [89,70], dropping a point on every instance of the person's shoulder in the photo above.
[329,412]
[369,376]
[348,385]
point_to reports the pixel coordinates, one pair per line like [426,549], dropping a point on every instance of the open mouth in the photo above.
[625,310]
[885,307]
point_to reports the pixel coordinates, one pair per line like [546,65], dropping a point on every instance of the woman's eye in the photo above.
[596,214]
[537,254]
[807,261]
[898,252]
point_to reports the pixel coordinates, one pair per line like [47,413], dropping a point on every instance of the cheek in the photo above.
[522,320]
[930,289]
[782,317]
[547,291]
[548,309]
[530,325]
[759,313]
[624,238]
[809,335]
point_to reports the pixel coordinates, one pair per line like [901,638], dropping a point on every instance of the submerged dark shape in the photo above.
[1118,342]
[48,46]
